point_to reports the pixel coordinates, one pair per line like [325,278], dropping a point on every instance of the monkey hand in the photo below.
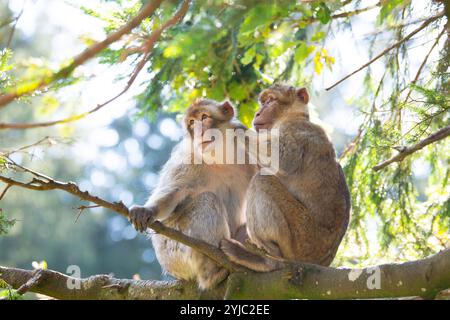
[141,217]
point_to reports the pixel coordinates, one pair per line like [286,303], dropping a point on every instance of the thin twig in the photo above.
[438,135]
[424,62]
[82,208]
[5,190]
[395,45]
[86,55]
[351,146]
[34,144]
[428,118]
[394,26]
[146,48]
[346,14]
[22,126]
[349,14]
[32,282]
[5,23]
[13,29]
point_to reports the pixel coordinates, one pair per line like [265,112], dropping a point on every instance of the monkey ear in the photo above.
[227,108]
[303,95]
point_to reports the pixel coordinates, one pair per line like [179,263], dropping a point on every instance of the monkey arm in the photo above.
[159,207]
[165,201]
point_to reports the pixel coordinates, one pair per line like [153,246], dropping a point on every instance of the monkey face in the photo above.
[204,117]
[276,101]
[268,111]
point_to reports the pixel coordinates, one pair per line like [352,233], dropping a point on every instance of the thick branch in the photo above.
[87,54]
[438,135]
[100,287]
[424,278]
[395,45]
[41,182]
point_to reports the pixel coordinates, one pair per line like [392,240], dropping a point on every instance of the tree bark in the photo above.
[424,278]
[103,287]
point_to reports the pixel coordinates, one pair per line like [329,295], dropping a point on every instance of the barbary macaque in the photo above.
[301,212]
[204,201]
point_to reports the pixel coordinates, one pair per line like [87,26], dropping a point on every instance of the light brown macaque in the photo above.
[300,213]
[204,201]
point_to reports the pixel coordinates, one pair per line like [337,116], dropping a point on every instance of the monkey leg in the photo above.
[203,217]
[279,223]
[241,234]
[239,254]
[209,273]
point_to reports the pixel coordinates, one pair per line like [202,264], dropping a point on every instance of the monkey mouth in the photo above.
[260,125]
[206,142]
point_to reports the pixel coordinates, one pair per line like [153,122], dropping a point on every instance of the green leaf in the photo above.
[237,91]
[248,56]
[323,13]
[318,36]
[260,15]
[387,8]
[302,52]
[5,223]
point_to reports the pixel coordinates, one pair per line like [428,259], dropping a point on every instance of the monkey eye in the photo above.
[204,116]
[191,122]
[270,99]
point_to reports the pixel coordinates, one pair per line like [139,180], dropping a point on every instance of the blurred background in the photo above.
[117,152]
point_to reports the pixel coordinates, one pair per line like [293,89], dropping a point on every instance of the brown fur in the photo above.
[302,212]
[203,201]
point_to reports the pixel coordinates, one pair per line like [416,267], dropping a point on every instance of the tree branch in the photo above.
[32,282]
[100,287]
[395,45]
[42,182]
[422,65]
[86,55]
[13,29]
[146,49]
[349,14]
[346,14]
[423,278]
[438,135]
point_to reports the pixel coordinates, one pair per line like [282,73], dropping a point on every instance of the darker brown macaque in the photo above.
[301,213]
[204,201]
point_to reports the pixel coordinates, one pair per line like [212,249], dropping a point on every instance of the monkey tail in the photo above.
[237,253]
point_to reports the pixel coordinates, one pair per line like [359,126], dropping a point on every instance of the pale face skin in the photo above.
[270,109]
[208,121]
[265,115]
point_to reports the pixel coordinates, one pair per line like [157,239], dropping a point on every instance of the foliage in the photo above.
[5,223]
[8,293]
[234,49]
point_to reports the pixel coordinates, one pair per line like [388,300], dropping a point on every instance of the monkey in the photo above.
[204,201]
[301,212]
